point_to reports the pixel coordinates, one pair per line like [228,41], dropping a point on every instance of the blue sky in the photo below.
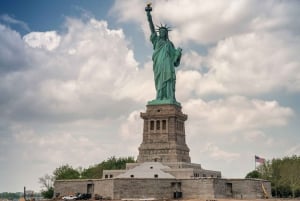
[75,75]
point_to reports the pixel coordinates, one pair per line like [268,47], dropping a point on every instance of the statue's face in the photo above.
[163,33]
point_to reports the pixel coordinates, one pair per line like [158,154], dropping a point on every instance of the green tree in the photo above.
[10,196]
[112,163]
[253,174]
[265,170]
[284,175]
[48,194]
[66,172]
[93,172]
[290,173]
[47,186]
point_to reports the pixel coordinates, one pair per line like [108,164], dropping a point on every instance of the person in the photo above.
[165,58]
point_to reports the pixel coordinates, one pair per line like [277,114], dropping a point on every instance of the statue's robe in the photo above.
[165,57]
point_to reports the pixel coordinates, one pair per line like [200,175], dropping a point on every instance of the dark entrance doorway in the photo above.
[90,188]
[228,189]
[177,193]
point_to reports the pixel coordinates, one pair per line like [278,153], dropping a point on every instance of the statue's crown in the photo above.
[163,27]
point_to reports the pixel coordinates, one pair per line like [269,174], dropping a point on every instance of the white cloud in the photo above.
[259,63]
[294,150]
[131,130]
[49,148]
[234,114]
[204,21]
[187,83]
[255,135]
[13,56]
[127,10]
[66,108]
[192,60]
[215,152]
[89,80]
[12,20]
[247,64]
[48,40]
[138,86]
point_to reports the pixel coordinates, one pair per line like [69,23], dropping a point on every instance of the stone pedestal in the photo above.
[164,135]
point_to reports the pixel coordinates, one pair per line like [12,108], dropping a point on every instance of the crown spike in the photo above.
[165,26]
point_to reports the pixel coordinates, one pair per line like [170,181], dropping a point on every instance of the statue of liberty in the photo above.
[165,58]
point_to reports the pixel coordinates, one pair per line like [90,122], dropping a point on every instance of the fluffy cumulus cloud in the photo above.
[47,40]
[215,152]
[208,22]
[80,77]
[225,131]
[54,149]
[258,62]
[12,51]
[58,94]
[131,131]
[235,114]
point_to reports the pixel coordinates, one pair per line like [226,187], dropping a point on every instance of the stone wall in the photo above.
[119,188]
[105,188]
[204,188]
[71,187]
[143,188]
[249,188]
[209,188]
[241,188]
[197,188]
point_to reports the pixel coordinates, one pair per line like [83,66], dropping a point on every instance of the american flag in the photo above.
[259,159]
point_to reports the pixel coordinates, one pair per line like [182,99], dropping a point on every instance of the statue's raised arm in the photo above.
[148,10]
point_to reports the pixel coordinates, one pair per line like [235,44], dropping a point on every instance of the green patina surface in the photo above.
[163,102]
[165,58]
